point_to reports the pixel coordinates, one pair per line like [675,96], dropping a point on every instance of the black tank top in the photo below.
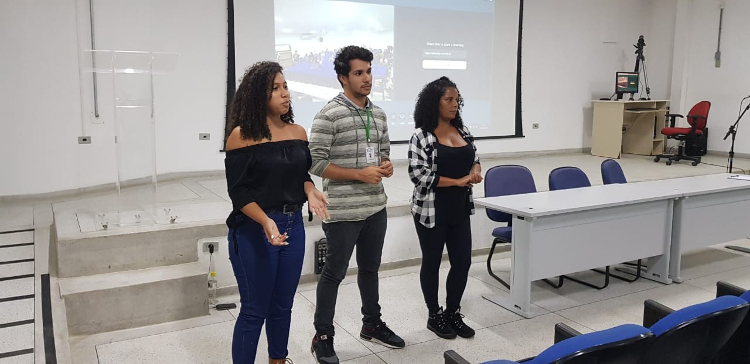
[452,203]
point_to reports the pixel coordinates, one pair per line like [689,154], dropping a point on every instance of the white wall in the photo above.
[39,108]
[40,102]
[724,86]
[579,45]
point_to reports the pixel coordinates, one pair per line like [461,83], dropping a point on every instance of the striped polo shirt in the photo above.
[339,136]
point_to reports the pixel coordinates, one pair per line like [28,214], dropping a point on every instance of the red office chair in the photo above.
[697,119]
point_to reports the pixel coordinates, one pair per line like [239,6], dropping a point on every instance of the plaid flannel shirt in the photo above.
[423,173]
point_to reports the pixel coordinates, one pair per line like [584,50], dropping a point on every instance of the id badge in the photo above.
[370,152]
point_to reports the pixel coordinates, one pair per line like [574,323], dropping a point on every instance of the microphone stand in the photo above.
[733,132]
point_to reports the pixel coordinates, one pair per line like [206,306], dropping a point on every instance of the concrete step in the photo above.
[123,249]
[122,300]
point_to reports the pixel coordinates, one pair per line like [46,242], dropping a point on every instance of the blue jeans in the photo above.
[267,277]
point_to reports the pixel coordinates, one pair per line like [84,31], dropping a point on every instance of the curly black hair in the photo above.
[427,108]
[345,55]
[250,103]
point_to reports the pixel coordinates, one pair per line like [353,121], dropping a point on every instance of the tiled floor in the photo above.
[17,292]
[500,334]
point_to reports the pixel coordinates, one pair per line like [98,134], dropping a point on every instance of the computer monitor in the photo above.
[626,83]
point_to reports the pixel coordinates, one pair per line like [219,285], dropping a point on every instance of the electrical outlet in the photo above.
[207,243]
[84,140]
[204,136]
[535,126]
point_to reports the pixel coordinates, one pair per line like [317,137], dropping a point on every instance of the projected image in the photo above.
[413,42]
[310,33]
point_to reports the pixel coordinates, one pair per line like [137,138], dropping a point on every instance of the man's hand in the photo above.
[371,174]
[387,168]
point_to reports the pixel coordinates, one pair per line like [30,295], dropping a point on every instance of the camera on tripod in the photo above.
[628,82]
[639,47]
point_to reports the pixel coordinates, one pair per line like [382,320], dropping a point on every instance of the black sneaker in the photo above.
[322,350]
[438,324]
[457,323]
[382,335]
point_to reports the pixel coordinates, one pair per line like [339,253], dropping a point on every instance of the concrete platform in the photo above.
[122,300]
[134,247]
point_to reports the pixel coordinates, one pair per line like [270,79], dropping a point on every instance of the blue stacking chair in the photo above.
[694,334]
[564,178]
[619,345]
[737,349]
[612,174]
[502,181]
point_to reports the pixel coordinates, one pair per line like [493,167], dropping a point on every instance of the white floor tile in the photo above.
[16,269]
[205,344]
[18,310]
[83,349]
[629,309]
[20,359]
[710,261]
[571,294]
[16,253]
[17,238]
[405,312]
[370,359]
[17,287]
[514,340]
[739,277]
[16,338]
[212,343]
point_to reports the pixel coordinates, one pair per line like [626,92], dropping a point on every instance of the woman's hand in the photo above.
[318,203]
[272,233]
[465,181]
[476,173]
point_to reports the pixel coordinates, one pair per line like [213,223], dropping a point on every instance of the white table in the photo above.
[567,231]
[713,209]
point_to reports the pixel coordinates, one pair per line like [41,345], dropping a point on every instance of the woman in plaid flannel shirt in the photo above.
[444,166]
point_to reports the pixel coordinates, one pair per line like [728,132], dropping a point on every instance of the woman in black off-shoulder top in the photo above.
[266,166]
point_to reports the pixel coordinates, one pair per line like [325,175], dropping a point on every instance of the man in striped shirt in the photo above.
[350,149]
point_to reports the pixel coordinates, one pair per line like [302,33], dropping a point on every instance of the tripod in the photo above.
[733,132]
[641,60]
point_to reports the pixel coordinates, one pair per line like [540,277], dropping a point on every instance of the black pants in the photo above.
[432,240]
[368,236]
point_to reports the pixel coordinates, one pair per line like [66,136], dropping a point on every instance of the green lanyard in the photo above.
[367,126]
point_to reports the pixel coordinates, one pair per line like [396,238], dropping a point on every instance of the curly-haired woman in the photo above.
[443,165]
[267,160]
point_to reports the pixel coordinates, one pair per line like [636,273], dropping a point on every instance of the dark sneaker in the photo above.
[438,324]
[322,350]
[382,335]
[457,323]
